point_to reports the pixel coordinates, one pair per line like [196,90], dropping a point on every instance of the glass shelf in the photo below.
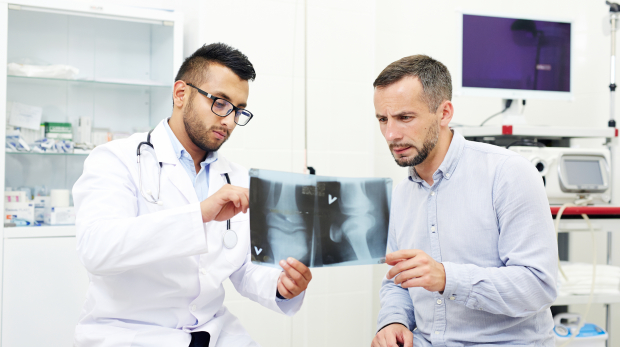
[117,82]
[40,231]
[48,154]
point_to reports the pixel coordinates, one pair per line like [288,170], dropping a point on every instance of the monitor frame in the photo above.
[524,94]
[590,188]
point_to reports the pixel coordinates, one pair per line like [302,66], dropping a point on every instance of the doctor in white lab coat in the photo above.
[154,250]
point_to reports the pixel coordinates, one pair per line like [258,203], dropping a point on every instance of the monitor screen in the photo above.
[511,53]
[583,172]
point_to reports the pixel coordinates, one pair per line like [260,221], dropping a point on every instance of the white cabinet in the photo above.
[44,286]
[127,59]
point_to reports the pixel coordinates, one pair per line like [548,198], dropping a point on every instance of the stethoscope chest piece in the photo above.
[230,239]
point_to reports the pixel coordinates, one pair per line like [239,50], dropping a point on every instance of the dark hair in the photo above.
[194,68]
[434,76]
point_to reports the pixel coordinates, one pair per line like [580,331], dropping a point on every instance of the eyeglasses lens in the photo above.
[222,107]
[242,117]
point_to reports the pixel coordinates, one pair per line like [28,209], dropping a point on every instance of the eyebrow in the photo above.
[405,113]
[224,96]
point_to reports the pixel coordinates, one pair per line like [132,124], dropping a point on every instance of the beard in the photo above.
[432,137]
[197,132]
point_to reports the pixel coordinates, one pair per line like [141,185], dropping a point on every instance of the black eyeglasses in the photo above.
[223,108]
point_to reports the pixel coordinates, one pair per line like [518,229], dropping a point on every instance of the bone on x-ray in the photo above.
[318,220]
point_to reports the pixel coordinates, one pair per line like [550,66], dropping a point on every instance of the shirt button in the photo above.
[193,308]
[448,175]
[432,193]
[452,298]
[436,332]
[438,301]
[432,228]
[480,308]
[203,271]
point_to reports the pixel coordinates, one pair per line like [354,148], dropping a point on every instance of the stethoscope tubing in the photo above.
[227,181]
[156,200]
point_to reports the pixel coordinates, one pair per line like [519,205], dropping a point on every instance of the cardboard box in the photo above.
[58,131]
[40,204]
[60,215]
[14,196]
[18,210]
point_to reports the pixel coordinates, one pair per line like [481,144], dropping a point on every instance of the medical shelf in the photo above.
[117,82]
[563,300]
[46,154]
[535,131]
[576,225]
[603,218]
[42,231]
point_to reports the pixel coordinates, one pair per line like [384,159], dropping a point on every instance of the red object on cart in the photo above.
[591,211]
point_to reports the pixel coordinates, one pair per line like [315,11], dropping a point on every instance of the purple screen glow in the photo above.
[510,53]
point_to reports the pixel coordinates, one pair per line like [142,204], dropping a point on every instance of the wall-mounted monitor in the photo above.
[514,57]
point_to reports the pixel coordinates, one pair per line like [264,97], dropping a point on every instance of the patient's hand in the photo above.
[416,269]
[294,279]
[393,335]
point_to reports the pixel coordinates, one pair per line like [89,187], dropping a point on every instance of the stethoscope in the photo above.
[229,239]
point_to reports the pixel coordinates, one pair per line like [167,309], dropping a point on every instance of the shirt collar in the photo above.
[449,163]
[179,150]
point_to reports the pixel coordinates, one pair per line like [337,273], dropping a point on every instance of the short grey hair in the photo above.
[434,76]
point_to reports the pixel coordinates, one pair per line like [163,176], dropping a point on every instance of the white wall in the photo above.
[349,43]
[338,308]
[407,27]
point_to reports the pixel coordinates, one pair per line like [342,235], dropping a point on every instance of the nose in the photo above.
[228,121]
[391,131]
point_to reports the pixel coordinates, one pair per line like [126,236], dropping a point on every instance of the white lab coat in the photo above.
[156,272]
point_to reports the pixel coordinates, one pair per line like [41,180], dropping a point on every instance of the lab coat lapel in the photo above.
[172,168]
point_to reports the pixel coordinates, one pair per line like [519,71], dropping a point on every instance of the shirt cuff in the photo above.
[279,297]
[290,306]
[403,324]
[458,282]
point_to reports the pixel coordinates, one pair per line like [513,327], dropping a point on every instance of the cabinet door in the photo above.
[44,289]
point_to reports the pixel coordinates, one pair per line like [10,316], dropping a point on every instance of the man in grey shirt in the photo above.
[474,257]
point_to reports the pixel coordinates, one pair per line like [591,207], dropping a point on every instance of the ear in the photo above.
[445,111]
[179,93]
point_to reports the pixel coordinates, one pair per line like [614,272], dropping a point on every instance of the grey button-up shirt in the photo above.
[486,218]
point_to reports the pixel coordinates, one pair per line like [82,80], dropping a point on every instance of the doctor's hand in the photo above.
[294,279]
[225,203]
[416,269]
[393,335]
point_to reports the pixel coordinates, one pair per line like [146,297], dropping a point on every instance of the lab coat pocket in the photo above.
[237,254]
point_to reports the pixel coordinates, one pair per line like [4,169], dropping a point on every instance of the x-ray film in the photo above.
[318,220]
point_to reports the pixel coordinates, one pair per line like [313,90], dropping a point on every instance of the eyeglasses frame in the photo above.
[215,98]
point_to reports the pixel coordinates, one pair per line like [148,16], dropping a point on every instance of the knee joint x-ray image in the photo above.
[320,221]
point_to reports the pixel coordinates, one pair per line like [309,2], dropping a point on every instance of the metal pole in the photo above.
[305,86]
[612,81]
